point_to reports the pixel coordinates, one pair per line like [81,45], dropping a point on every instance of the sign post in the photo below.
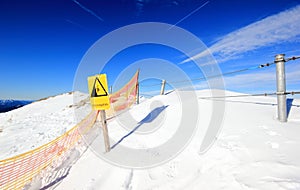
[98,89]
[105,130]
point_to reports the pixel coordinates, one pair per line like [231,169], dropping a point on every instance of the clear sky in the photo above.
[43,42]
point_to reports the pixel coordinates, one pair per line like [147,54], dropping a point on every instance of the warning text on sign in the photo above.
[98,89]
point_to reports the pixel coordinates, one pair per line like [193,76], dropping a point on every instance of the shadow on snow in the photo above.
[148,119]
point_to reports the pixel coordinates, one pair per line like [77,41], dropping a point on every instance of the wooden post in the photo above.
[137,93]
[138,88]
[162,90]
[105,130]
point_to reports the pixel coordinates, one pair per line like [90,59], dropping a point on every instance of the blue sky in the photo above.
[43,42]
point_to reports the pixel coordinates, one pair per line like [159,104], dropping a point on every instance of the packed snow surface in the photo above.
[252,151]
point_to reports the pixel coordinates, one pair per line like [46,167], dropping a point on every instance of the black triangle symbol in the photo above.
[95,91]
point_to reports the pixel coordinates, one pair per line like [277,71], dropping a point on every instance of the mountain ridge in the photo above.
[8,105]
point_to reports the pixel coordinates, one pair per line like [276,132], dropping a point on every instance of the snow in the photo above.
[38,123]
[253,150]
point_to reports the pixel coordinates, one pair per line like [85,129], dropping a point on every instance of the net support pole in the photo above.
[105,130]
[281,88]
[138,88]
[162,90]
[110,89]
[137,93]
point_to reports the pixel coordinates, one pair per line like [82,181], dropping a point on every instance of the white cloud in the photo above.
[276,29]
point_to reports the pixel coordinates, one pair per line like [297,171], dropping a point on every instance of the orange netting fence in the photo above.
[18,171]
[124,97]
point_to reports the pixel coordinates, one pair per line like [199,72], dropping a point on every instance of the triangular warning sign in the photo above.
[98,89]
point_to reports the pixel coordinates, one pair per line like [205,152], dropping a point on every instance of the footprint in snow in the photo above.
[273,145]
[171,170]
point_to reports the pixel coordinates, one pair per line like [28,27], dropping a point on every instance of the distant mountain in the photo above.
[8,105]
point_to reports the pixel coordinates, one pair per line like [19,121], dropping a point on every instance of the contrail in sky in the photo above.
[197,9]
[88,10]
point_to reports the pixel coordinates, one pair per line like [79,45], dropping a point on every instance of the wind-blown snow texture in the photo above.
[253,150]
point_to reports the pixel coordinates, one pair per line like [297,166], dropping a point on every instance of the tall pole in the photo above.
[162,90]
[105,130]
[110,89]
[138,88]
[137,93]
[281,88]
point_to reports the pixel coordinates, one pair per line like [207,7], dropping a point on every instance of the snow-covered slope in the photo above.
[253,151]
[38,123]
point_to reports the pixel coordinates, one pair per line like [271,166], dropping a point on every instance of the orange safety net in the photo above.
[20,170]
[17,171]
[125,97]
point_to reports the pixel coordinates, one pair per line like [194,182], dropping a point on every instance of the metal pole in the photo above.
[281,88]
[110,89]
[105,130]
[162,90]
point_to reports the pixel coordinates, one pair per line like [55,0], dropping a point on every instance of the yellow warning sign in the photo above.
[98,91]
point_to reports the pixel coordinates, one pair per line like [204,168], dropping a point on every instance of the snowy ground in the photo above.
[38,123]
[253,150]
